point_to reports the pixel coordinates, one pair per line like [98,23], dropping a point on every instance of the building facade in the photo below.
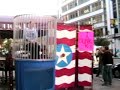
[116,15]
[98,13]
[6,27]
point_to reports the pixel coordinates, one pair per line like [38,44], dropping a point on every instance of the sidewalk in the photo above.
[97,84]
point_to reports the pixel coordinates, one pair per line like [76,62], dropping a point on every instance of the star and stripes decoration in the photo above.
[65,56]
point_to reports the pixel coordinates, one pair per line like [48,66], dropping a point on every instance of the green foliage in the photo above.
[102,41]
[98,33]
[6,46]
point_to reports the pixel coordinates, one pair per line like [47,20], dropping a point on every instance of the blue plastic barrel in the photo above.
[35,75]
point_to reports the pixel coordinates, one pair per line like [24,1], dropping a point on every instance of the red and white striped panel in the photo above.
[65,76]
[85,62]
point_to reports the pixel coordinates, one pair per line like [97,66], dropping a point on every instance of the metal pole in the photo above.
[76,73]
[10,60]
[115,43]
[76,78]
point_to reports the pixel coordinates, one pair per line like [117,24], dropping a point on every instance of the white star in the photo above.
[62,55]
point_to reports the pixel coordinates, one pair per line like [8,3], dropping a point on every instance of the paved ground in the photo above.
[97,84]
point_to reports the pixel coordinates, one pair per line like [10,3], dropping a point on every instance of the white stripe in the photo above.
[84,62]
[71,65]
[85,51]
[65,79]
[86,30]
[66,34]
[84,77]
[73,48]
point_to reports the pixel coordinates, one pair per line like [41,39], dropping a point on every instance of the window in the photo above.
[8,26]
[106,31]
[73,15]
[85,21]
[11,26]
[82,1]
[64,18]
[75,2]
[4,26]
[96,6]
[84,10]
[97,19]
[64,8]
[0,26]
[72,4]
[98,32]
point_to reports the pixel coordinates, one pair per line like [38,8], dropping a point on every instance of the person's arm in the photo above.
[103,58]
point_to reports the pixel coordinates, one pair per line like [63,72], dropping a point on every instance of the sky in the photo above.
[17,7]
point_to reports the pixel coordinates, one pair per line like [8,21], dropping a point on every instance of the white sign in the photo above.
[30,34]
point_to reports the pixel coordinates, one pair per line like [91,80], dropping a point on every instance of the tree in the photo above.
[6,46]
[100,41]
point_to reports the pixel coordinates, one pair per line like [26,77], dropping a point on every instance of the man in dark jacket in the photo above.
[36,51]
[107,66]
[33,48]
[100,65]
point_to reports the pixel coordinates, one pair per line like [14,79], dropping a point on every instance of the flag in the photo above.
[85,48]
[65,62]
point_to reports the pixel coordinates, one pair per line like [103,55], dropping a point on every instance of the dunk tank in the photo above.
[34,52]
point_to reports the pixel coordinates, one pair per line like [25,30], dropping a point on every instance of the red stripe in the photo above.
[64,85]
[74,56]
[87,55]
[85,69]
[69,42]
[61,27]
[85,83]
[65,71]
[83,27]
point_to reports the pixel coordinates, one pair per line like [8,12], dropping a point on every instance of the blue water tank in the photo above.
[35,75]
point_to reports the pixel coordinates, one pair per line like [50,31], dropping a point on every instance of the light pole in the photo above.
[115,31]
[115,42]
